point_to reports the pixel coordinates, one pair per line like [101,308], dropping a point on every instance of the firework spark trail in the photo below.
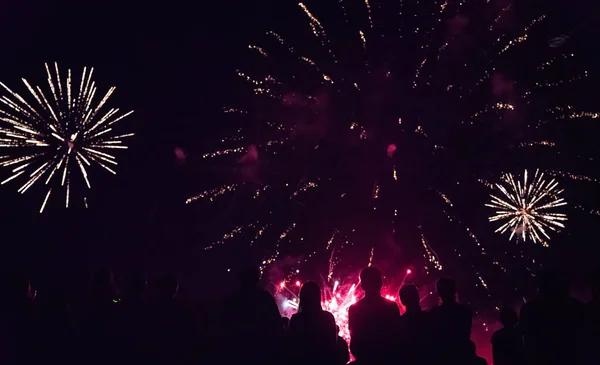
[234,110]
[547,64]
[582,76]
[304,187]
[418,72]
[65,126]
[330,241]
[213,193]
[523,37]
[568,113]
[228,151]
[482,250]
[259,232]
[496,106]
[525,207]
[227,236]
[579,115]
[341,2]
[499,16]
[430,255]
[318,30]
[363,39]
[261,190]
[331,266]
[508,46]
[589,211]
[537,144]
[446,199]
[441,50]
[369,13]
[258,49]
[304,59]
[572,176]
[275,254]
[452,218]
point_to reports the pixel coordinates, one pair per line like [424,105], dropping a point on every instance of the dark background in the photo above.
[173,63]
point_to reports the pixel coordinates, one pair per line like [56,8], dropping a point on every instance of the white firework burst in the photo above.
[525,207]
[46,138]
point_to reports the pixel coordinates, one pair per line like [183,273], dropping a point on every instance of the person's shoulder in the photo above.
[465,309]
[329,316]
[576,302]
[263,295]
[435,310]
[497,335]
[481,361]
[296,319]
[354,307]
[529,307]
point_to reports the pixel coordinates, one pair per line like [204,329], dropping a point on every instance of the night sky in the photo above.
[174,65]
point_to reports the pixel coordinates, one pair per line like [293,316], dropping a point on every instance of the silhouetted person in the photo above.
[97,342]
[251,323]
[413,329]
[341,349]
[591,337]
[507,342]
[312,330]
[451,323]
[53,330]
[170,325]
[132,319]
[372,322]
[16,319]
[550,322]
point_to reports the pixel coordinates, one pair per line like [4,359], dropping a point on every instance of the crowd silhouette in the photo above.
[148,324]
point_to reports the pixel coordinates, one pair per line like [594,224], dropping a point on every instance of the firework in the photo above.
[377,129]
[61,131]
[526,207]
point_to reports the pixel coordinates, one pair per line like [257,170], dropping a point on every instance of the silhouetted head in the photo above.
[248,277]
[166,287]
[550,284]
[103,286]
[370,280]
[446,289]
[409,296]
[310,297]
[508,317]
